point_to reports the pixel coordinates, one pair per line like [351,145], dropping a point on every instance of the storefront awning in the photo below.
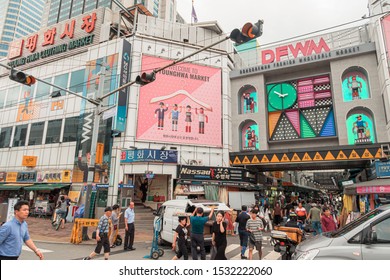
[13,187]
[376,186]
[46,187]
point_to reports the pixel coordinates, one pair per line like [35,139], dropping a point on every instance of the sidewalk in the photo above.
[41,230]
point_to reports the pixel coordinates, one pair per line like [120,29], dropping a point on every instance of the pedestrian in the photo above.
[197,238]
[180,237]
[254,226]
[15,232]
[144,189]
[61,210]
[277,214]
[102,236]
[301,213]
[315,218]
[327,222]
[129,226]
[116,214]
[219,236]
[241,219]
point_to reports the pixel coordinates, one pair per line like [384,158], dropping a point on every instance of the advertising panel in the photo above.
[183,104]
[360,129]
[30,161]
[147,155]
[386,33]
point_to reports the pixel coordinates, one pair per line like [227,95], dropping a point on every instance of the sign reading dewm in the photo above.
[66,38]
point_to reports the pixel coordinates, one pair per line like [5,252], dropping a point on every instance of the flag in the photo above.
[194,16]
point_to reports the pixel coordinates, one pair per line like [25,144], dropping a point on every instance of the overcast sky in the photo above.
[282,18]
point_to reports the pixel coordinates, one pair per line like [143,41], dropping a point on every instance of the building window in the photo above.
[53,131]
[2,96]
[70,130]
[43,89]
[77,81]
[5,136]
[62,81]
[36,133]
[13,96]
[20,136]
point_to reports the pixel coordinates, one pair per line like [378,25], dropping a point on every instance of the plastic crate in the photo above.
[294,234]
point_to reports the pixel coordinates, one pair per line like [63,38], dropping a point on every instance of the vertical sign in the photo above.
[10,210]
[120,120]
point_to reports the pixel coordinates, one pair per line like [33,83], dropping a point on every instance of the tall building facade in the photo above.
[17,19]
[60,10]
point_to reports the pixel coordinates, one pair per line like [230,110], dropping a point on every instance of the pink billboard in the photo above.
[386,33]
[183,104]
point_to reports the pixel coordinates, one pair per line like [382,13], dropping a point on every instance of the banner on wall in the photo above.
[386,33]
[183,104]
[148,155]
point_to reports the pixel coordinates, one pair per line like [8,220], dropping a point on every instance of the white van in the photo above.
[172,209]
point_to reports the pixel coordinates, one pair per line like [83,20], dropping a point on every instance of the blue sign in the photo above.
[382,169]
[126,186]
[147,155]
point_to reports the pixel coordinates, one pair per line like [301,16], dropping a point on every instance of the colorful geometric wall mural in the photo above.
[250,136]
[300,109]
[360,129]
[355,86]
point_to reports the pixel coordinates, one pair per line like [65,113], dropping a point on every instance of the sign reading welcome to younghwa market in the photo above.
[65,37]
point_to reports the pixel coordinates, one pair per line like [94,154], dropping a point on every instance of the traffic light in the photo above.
[248,32]
[22,78]
[145,78]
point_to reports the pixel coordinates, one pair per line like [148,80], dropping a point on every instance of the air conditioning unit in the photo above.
[195,162]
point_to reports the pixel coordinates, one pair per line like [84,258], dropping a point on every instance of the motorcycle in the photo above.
[285,240]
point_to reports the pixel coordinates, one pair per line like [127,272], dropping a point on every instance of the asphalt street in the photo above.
[66,251]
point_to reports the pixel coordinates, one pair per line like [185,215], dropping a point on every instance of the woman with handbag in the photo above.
[219,236]
[116,214]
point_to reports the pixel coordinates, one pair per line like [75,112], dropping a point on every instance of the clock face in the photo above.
[282,96]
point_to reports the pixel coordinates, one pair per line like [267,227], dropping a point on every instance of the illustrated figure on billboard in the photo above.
[254,139]
[175,116]
[355,86]
[247,101]
[248,137]
[25,110]
[188,119]
[160,113]
[361,128]
[202,118]
[252,104]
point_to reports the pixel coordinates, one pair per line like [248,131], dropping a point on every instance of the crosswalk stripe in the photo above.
[272,256]
[25,248]
[231,247]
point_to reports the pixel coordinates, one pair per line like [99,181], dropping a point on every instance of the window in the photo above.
[36,134]
[20,136]
[356,239]
[2,96]
[53,131]
[382,231]
[13,96]
[62,81]
[102,195]
[70,130]
[43,89]
[5,136]
[77,81]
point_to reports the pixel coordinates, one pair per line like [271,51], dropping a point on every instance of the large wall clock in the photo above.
[282,96]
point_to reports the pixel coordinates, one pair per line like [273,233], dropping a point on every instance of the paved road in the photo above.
[55,251]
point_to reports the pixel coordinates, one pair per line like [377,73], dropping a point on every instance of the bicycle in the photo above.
[57,222]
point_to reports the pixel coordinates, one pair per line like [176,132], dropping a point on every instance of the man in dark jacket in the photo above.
[241,219]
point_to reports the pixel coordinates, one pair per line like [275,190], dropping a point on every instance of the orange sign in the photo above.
[30,161]
[11,176]
[99,153]
[66,176]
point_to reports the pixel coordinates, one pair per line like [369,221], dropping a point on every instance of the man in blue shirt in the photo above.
[129,226]
[15,232]
[197,231]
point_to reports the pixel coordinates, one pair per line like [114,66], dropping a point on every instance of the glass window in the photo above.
[77,81]
[53,131]
[20,136]
[2,96]
[5,136]
[62,81]
[382,231]
[43,89]
[102,195]
[13,96]
[70,130]
[36,133]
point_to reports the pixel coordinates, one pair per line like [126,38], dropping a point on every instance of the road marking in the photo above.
[25,248]
[272,256]
[231,247]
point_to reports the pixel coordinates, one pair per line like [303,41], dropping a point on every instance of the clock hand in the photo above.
[286,94]
[279,94]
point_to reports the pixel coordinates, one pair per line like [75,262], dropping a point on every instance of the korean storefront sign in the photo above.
[190,172]
[30,161]
[27,177]
[3,176]
[148,155]
[382,169]
[373,189]
[78,32]
[54,176]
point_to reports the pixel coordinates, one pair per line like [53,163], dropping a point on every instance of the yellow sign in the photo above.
[367,154]
[341,155]
[306,157]
[275,159]
[295,158]
[255,160]
[379,153]
[318,157]
[354,155]
[76,237]
[237,161]
[30,161]
[11,177]
[246,160]
[99,153]
[66,176]
[285,158]
[329,156]
[74,196]
[265,159]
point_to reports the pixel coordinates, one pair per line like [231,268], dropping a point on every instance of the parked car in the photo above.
[366,238]
[172,209]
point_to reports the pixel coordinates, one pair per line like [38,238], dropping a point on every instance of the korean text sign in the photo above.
[183,104]
[147,155]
